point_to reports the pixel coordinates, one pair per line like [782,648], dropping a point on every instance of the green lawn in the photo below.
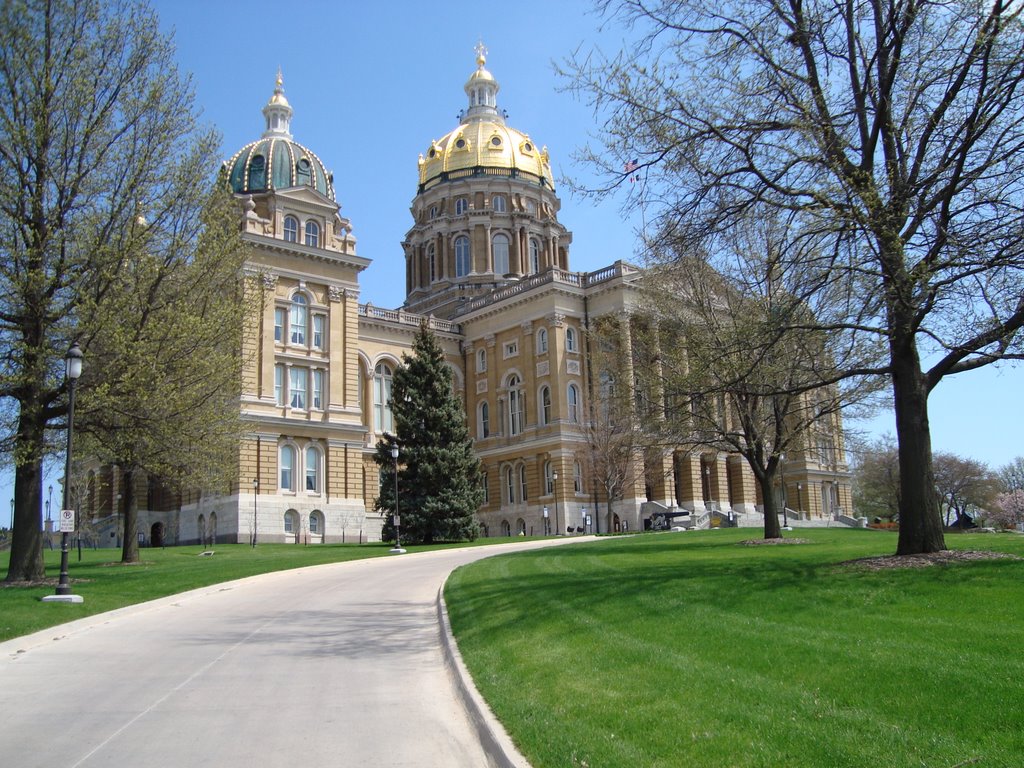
[693,650]
[106,584]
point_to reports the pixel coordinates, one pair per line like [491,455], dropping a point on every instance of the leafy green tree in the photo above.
[438,473]
[96,126]
[876,479]
[893,131]
[165,358]
[965,487]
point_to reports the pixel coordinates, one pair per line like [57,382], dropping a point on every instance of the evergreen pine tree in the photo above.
[439,488]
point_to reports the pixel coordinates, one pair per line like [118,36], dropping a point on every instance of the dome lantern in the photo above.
[278,112]
[482,90]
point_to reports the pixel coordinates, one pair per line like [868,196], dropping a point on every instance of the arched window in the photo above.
[461,256]
[291,521]
[523,495]
[498,203]
[542,341]
[486,488]
[312,234]
[549,479]
[516,405]
[316,523]
[510,486]
[313,469]
[298,318]
[303,173]
[534,256]
[574,403]
[201,527]
[291,229]
[383,421]
[257,173]
[570,339]
[545,405]
[484,427]
[499,248]
[481,361]
[213,527]
[577,477]
[287,465]
[431,262]
[461,206]
[506,529]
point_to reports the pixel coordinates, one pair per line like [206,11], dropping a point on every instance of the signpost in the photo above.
[67,521]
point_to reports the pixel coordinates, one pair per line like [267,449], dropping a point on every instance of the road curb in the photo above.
[494,739]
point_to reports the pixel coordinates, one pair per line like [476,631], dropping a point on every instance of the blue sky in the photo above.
[373,83]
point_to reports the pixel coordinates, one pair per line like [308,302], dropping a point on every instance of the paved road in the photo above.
[337,665]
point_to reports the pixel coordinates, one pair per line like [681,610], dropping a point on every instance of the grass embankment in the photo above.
[693,650]
[106,584]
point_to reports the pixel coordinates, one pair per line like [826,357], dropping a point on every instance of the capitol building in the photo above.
[488,267]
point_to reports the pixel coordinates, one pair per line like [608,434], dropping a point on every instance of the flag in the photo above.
[631,166]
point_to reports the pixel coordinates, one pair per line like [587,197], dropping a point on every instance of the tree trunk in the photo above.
[920,517]
[772,529]
[130,545]
[26,563]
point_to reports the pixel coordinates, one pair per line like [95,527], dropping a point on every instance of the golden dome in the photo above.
[482,144]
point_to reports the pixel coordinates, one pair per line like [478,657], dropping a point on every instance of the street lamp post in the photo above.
[785,496]
[554,490]
[72,370]
[799,496]
[255,496]
[397,549]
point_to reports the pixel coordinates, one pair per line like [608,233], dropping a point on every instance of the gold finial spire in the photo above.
[280,77]
[481,54]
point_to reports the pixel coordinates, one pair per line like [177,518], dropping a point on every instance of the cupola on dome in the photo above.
[276,161]
[483,144]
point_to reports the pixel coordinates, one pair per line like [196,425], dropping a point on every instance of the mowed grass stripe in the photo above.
[694,650]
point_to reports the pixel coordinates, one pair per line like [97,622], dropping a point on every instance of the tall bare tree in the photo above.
[895,130]
[96,125]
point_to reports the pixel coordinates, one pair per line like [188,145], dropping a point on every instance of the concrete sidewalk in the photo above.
[346,665]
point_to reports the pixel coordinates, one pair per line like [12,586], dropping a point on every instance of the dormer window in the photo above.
[312,234]
[258,173]
[291,229]
[303,173]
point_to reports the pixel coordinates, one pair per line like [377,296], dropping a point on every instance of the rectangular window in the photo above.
[319,323]
[511,349]
[487,490]
[297,388]
[279,315]
[279,384]
[318,390]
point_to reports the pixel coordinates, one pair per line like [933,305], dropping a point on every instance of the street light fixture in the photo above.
[397,549]
[72,370]
[785,496]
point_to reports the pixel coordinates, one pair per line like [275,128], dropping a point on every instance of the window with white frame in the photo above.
[542,341]
[297,319]
[499,250]
[291,521]
[570,340]
[298,379]
[279,384]
[577,477]
[461,206]
[316,525]
[549,479]
[383,421]
[287,467]
[312,469]
[461,256]
[291,229]
[510,485]
[279,318]
[516,404]
[319,331]
[545,405]
[484,425]
[523,495]
[534,256]
[481,360]
[511,349]
[573,400]
[498,203]
[431,262]
[318,389]
[312,234]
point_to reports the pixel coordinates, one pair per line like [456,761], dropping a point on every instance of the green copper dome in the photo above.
[276,161]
